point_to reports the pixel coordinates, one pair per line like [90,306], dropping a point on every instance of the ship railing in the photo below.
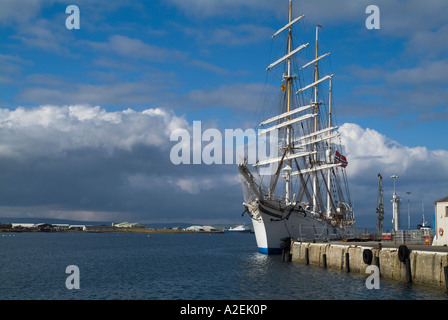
[313,234]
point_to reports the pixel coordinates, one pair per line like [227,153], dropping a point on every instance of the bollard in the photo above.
[307,258]
[347,262]
[324,260]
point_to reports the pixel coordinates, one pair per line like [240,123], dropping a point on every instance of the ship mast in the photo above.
[329,152]
[315,109]
[288,79]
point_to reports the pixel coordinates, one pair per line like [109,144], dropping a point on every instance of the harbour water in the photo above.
[127,266]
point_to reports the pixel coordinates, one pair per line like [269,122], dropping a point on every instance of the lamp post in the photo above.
[409,216]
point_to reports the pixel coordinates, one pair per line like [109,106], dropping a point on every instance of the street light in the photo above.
[409,216]
[394,177]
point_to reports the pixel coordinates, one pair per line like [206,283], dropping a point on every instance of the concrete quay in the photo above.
[407,263]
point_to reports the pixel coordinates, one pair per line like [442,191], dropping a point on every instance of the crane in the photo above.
[379,207]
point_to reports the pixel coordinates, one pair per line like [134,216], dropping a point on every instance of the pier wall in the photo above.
[426,267]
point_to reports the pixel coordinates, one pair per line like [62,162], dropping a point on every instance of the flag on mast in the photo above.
[339,158]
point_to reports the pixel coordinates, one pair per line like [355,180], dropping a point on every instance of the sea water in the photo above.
[140,266]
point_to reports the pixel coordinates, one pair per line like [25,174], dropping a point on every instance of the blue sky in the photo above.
[79,142]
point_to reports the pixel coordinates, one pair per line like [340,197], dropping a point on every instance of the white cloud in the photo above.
[208,66]
[137,49]
[419,91]
[420,42]
[238,96]
[403,18]
[421,171]
[54,130]
[62,171]
[191,186]
[370,152]
[398,18]
[18,11]
[425,75]
[115,94]
[195,185]
[213,8]
[53,212]
[86,163]
[230,35]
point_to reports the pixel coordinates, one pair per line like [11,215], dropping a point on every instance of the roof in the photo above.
[24,225]
[130,225]
[442,200]
[195,228]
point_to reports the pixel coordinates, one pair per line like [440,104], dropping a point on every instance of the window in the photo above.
[446,211]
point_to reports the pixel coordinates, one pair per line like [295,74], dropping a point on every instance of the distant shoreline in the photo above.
[118,230]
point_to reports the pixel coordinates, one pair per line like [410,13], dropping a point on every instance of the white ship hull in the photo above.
[269,230]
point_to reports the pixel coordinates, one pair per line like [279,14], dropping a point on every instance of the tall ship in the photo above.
[304,195]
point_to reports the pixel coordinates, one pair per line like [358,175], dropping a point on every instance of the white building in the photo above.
[209,228]
[130,225]
[61,226]
[441,211]
[194,228]
[201,228]
[23,225]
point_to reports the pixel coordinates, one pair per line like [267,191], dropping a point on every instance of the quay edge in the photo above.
[427,264]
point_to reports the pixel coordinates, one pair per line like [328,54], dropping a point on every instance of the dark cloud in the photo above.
[86,163]
[75,161]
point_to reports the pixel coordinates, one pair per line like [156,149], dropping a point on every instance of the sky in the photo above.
[86,114]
